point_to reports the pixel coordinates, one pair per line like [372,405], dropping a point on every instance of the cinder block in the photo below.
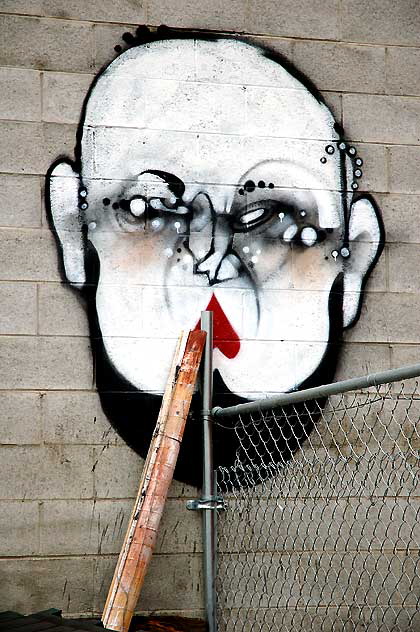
[31,362]
[361,359]
[78,527]
[61,311]
[375,174]
[21,201]
[19,528]
[18,310]
[46,44]
[106,37]
[63,95]
[46,472]
[20,418]
[398,211]
[75,418]
[341,67]
[181,572]
[20,94]
[319,20]
[388,317]
[21,148]
[199,14]
[117,472]
[28,255]
[33,585]
[382,119]
[95,11]
[19,483]
[333,101]
[98,527]
[403,355]
[59,140]
[31,147]
[381,21]
[402,70]
[404,169]
[404,267]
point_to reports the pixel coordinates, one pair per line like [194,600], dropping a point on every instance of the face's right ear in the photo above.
[62,191]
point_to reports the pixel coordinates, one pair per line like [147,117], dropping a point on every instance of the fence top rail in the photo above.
[335,388]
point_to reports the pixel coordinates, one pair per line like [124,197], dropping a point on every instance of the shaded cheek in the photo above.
[314,268]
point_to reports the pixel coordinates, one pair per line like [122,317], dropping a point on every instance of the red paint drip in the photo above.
[225,337]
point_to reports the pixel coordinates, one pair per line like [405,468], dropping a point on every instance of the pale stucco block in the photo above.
[374,168]
[21,201]
[30,148]
[360,359]
[61,311]
[31,362]
[117,472]
[20,418]
[378,278]
[59,140]
[341,67]
[63,95]
[82,527]
[198,14]
[333,102]
[388,317]
[373,578]
[33,585]
[404,169]
[46,44]
[19,528]
[21,148]
[182,573]
[20,94]
[306,19]
[18,308]
[381,21]
[95,11]
[98,527]
[105,38]
[46,472]
[382,119]
[400,216]
[75,418]
[404,355]
[402,70]
[404,267]
[28,255]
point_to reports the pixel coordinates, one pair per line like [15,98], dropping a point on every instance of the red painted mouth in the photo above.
[225,337]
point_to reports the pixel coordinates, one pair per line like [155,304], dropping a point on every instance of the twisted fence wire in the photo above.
[322,529]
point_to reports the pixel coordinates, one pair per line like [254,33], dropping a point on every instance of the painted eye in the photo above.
[309,236]
[252,216]
[137,207]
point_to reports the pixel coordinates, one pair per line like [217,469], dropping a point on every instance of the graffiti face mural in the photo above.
[208,175]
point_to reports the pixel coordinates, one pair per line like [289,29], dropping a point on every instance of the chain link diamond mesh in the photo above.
[322,529]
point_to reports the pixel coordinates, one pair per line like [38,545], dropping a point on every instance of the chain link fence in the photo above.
[322,526]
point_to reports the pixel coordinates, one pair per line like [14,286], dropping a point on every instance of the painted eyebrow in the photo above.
[175,184]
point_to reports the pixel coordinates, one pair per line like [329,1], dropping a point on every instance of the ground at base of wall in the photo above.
[167,624]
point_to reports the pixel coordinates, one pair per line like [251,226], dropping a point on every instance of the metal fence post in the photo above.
[209,517]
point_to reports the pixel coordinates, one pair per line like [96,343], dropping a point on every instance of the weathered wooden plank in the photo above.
[157,475]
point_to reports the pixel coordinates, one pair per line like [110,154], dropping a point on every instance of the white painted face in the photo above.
[211,176]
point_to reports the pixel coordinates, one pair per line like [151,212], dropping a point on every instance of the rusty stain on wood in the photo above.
[156,478]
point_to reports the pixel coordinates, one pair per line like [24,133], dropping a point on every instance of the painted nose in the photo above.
[210,242]
[218,262]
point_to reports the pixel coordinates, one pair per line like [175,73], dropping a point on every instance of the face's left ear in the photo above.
[366,240]
[62,192]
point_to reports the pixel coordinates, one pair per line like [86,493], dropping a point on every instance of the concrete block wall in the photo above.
[67,480]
